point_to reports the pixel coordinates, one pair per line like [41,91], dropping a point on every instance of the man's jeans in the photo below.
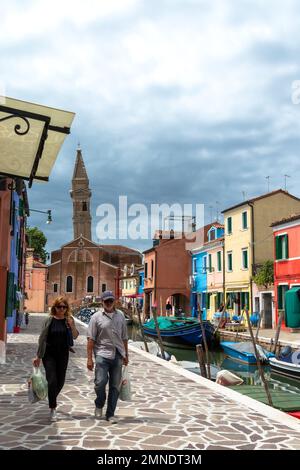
[108,370]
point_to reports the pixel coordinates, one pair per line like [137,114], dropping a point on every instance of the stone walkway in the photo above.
[170,410]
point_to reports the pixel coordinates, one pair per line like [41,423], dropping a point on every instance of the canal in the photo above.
[248,373]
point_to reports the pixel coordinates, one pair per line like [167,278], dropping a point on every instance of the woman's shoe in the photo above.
[53,416]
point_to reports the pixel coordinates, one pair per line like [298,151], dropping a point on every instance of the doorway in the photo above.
[267,307]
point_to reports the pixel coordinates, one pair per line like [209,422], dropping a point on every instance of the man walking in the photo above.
[108,341]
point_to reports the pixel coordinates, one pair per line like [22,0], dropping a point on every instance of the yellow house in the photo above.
[248,243]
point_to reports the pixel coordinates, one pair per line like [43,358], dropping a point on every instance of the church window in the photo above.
[90,284]
[55,287]
[84,206]
[103,287]
[69,287]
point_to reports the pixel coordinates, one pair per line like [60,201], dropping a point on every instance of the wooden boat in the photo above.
[180,332]
[287,369]
[244,352]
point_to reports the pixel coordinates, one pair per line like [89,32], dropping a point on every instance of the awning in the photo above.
[133,296]
[31,136]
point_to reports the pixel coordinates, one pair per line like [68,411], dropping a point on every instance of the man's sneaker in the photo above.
[53,416]
[112,419]
[98,413]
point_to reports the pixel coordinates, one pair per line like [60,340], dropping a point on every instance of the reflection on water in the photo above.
[249,373]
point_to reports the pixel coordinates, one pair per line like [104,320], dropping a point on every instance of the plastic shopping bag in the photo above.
[125,389]
[39,384]
[32,397]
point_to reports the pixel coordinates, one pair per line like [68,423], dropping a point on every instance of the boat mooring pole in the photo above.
[205,343]
[278,331]
[141,328]
[259,323]
[158,333]
[261,372]
[201,361]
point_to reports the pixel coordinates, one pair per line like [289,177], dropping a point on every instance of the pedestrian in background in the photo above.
[54,343]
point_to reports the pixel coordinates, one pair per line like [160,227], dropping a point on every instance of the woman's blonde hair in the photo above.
[57,302]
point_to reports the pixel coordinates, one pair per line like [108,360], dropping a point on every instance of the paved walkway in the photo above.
[171,409]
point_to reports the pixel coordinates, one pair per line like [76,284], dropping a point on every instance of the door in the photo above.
[267,307]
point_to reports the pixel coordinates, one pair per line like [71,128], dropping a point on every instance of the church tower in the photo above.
[81,196]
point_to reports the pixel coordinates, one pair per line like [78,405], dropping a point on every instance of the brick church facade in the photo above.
[81,267]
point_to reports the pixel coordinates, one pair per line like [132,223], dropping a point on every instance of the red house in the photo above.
[287,259]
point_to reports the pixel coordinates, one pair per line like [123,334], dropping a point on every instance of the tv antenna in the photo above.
[285,177]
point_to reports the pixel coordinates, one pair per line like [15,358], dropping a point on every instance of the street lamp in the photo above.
[49,218]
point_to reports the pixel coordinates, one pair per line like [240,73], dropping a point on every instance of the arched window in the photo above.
[90,284]
[84,206]
[69,286]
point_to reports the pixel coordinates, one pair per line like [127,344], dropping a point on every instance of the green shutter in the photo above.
[229,261]
[209,263]
[21,208]
[10,295]
[278,247]
[219,260]
[207,300]
[286,246]
[245,259]
[244,216]
[229,225]
[279,295]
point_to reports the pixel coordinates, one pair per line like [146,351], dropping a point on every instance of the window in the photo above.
[55,287]
[69,286]
[281,290]
[204,265]
[219,260]
[141,280]
[209,263]
[229,225]
[194,265]
[103,287]
[84,206]
[212,235]
[245,220]
[146,270]
[245,263]
[152,268]
[90,284]
[282,246]
[229,260]
[208,296]
[219,299]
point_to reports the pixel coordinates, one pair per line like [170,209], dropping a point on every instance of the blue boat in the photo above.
[244,352]
[180,332]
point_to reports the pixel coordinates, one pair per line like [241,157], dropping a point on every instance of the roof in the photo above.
[120,249]
[250,201]
[79,168]
[286,220]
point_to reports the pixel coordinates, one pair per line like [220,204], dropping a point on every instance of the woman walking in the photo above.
[54,343]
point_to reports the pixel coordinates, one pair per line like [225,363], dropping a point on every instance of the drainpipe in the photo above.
[252,255]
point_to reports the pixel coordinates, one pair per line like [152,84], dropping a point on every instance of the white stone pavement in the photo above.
[171,408]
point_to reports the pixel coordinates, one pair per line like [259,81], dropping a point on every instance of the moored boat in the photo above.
[244,352]
[182,332]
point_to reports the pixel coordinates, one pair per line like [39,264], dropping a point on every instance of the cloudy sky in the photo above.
[185,101]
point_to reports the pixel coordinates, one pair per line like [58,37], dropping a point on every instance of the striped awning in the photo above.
[31,136]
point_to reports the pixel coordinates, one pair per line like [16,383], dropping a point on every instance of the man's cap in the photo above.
[108,294]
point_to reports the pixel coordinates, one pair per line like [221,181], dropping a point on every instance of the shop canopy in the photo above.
[31,137]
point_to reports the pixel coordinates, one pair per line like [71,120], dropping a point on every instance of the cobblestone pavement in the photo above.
[168,411]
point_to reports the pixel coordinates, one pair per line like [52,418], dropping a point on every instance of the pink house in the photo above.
[35,283]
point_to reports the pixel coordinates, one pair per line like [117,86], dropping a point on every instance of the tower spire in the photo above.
[81,195]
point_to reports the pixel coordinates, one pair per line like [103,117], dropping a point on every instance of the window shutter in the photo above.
[10,300]
[278,247]
[219,261]
[286,246]
[209,263]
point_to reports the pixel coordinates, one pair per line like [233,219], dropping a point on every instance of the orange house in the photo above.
[35,283]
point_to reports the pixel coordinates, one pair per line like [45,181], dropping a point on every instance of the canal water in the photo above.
[249,374]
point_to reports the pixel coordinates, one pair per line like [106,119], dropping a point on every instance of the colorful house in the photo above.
[248,244]
[287,259]
[215,276]
[35,283]
[129,284]
[202,269]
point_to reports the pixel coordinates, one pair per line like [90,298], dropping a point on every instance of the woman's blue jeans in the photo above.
[108,370]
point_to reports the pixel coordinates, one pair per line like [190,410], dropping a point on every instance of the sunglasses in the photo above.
[61,306]
[108,301]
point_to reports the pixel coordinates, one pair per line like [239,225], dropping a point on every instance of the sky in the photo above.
[176,101]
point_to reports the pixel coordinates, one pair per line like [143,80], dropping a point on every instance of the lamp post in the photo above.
[49,218]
